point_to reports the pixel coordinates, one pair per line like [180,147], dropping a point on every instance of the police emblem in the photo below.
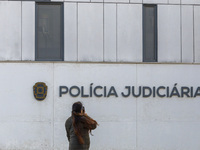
[40,91]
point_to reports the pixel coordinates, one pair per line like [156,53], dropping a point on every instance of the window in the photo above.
[149,33]
[49,32]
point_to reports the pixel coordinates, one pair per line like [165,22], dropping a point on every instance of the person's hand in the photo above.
[85,114]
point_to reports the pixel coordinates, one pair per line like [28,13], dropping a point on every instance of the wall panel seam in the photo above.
[116,33]
[77,4]
[103,32]
[136,109]
[21,30]
[193,37]
[76,31]
[181,48]
[53,123]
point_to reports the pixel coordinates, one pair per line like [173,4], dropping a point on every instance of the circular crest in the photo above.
[40,91]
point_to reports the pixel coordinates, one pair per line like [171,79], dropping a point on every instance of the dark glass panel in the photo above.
[49,32]
[149,33]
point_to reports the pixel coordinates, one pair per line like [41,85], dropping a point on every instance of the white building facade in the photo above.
[95,51]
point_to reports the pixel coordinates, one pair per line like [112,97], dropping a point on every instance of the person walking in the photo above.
[78,127]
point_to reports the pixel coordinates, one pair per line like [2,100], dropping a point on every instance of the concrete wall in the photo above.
[105,32]
[101,31]
[11,30]
[125,123]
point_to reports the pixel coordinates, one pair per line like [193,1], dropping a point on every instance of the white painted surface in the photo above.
[90,37]
[97,0]
[187,34]
[28,31]
[144,123]
[18,80]
[168,123]
[190,1]
[123,1]
[172,135]
[156,1]
[110,41]
[26,135]
[24,122]
[173,121]
[57,0]
[129,32]
[135,1]
[101,75]
[60,136]
[169,43]
[114,1]
[174,1]
[70,44]
[90,32]
[77,0]
[10,28]
[125,139]
[168,109]
[197,33]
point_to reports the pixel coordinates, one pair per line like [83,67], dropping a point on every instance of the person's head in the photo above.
[77,107]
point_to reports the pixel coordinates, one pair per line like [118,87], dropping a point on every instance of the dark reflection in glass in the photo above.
[49,39]
[149,33]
